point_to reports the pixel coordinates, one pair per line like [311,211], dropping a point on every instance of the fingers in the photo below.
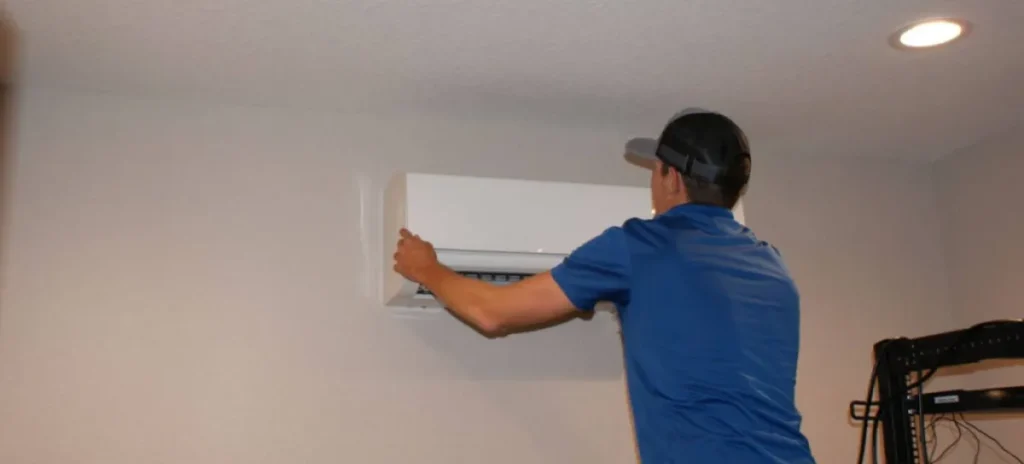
[408,243]
[404,233]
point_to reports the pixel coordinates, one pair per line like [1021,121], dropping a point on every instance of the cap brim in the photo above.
[641,152]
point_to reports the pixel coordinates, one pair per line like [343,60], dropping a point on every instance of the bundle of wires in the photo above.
[961,424]
[918,384]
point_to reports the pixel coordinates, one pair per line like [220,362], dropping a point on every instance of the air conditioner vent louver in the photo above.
[493,277]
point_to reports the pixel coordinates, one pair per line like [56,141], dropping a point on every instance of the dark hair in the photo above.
[726,194]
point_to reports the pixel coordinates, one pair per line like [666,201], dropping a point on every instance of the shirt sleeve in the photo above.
[596,271]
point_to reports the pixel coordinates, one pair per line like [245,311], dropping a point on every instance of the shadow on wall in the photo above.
[8,47]
[573,351]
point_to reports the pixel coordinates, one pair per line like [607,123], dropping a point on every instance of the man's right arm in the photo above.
[596,271]
[496,310]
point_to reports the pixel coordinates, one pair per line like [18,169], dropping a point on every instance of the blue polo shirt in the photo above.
[710,325]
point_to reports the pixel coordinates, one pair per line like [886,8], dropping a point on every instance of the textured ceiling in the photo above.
[805,76]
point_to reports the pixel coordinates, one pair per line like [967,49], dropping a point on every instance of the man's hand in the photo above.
[415,258]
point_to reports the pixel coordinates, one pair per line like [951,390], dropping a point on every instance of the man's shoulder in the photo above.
[676,231]
[673,231]
[648,229]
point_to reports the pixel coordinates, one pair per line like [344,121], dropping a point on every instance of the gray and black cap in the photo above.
[700,144]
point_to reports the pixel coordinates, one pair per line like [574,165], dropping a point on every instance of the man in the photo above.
[709,314]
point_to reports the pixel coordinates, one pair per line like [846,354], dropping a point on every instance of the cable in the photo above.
[935,435]
[867,416]
[977,441]
[874,427]
[918,383]
[961,423]
[867,412]
[959,435]
[922,435]
[990,437]
[874,441]
[977,444]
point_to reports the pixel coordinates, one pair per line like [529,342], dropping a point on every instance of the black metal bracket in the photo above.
[904,364]
[866,416]
[1006,399]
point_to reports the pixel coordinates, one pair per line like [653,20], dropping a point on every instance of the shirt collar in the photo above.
[698,209]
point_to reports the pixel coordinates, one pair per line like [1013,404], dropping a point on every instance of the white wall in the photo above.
[193,283]
[980,192]
[861,237]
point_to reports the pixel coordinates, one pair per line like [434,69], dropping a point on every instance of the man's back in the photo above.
[711,333]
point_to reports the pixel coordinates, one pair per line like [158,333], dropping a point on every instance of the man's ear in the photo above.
[675,180]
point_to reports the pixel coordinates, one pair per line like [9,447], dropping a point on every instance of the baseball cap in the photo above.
[700,144]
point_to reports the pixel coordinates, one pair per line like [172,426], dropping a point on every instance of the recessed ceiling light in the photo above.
[930,33]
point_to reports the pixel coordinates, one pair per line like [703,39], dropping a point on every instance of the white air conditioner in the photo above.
[498,230]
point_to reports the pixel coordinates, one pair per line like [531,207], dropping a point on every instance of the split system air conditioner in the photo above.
[497,230]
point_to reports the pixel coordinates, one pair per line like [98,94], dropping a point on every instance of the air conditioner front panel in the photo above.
[498,229]
[515,263]
[510,215]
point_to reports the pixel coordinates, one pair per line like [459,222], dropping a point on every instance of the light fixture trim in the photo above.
[897,39]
